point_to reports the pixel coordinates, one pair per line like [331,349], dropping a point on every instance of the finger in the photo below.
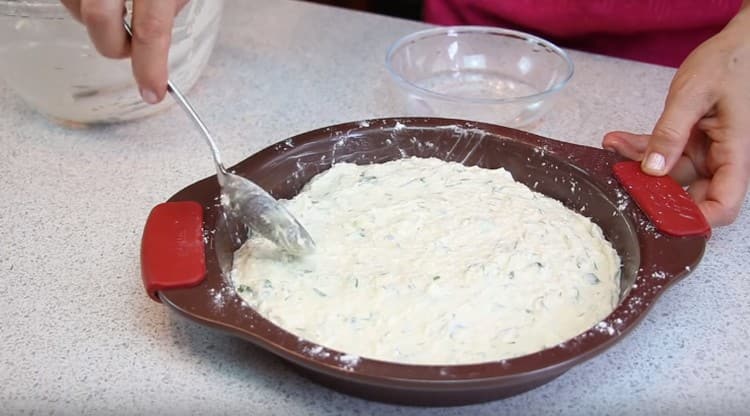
[697,190]
[152,33]
[724,195]
[633,146]
[180,5]
[684,172]
[74,7]
[103,20]
[630,145]
[682,110]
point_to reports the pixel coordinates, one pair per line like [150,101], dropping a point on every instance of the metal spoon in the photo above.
[243,199]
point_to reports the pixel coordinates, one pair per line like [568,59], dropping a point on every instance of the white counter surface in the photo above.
[80,336]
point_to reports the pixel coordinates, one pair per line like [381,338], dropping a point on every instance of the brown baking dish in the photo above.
[188,245]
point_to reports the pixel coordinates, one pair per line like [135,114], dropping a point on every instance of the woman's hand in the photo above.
[702,138]
[152,34]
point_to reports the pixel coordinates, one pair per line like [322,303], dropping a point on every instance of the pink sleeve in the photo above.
[658,31]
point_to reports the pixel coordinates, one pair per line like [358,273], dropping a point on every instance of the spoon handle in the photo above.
[185,104]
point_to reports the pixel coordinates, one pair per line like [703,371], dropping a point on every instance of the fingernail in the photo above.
[609,149]
[655,162]
[149,96]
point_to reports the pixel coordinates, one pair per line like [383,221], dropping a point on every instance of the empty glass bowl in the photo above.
[47,58]
[477,73]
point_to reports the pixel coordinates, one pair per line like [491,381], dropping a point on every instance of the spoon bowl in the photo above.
[251,205]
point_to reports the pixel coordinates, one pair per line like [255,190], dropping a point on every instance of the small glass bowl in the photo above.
[46,58]
[477,73]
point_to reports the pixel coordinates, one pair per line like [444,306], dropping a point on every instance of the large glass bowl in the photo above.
[47,58]
[477,73]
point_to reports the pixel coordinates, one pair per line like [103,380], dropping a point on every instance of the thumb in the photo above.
[682,111]
[630,145]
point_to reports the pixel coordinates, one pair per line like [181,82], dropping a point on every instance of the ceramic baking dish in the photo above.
[657,230]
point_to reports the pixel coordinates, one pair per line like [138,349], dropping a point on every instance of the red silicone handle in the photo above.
[172,248]
[663,201]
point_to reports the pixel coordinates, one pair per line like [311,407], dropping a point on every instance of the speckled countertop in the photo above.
[79,335]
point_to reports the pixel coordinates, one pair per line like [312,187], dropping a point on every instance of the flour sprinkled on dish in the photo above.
[423,261]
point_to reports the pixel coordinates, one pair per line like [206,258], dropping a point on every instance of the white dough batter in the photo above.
[428,262]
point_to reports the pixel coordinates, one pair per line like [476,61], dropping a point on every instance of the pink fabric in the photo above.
[656,31]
